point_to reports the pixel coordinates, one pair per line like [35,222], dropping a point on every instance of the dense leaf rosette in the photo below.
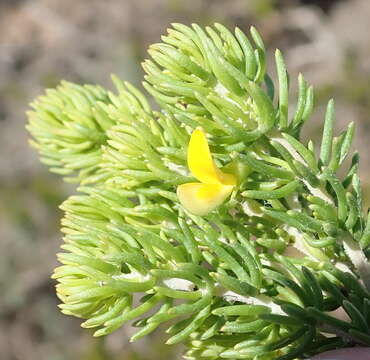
[211,213]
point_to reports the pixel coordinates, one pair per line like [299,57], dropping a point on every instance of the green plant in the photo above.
[260,274]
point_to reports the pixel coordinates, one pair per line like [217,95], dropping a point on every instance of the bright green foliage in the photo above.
[259,277]
[70,127]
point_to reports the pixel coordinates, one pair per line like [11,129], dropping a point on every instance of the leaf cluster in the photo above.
[265,275]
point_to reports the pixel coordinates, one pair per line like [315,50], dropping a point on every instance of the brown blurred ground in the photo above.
[43,41]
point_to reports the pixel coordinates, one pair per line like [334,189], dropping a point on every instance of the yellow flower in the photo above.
[214,187]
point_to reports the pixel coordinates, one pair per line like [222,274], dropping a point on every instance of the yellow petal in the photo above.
[200,199]
[201,164]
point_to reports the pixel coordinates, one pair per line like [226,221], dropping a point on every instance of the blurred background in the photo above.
[44,41]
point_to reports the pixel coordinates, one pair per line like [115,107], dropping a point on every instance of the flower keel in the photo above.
[214,187]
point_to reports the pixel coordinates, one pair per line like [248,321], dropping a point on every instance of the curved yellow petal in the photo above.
[200,199]
[201,164]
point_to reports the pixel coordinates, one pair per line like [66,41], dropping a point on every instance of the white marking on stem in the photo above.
[358,259]
[299,243]
[252,208]
[321,193]
[221,90]
[257,300]
[179,284]
[177,168]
